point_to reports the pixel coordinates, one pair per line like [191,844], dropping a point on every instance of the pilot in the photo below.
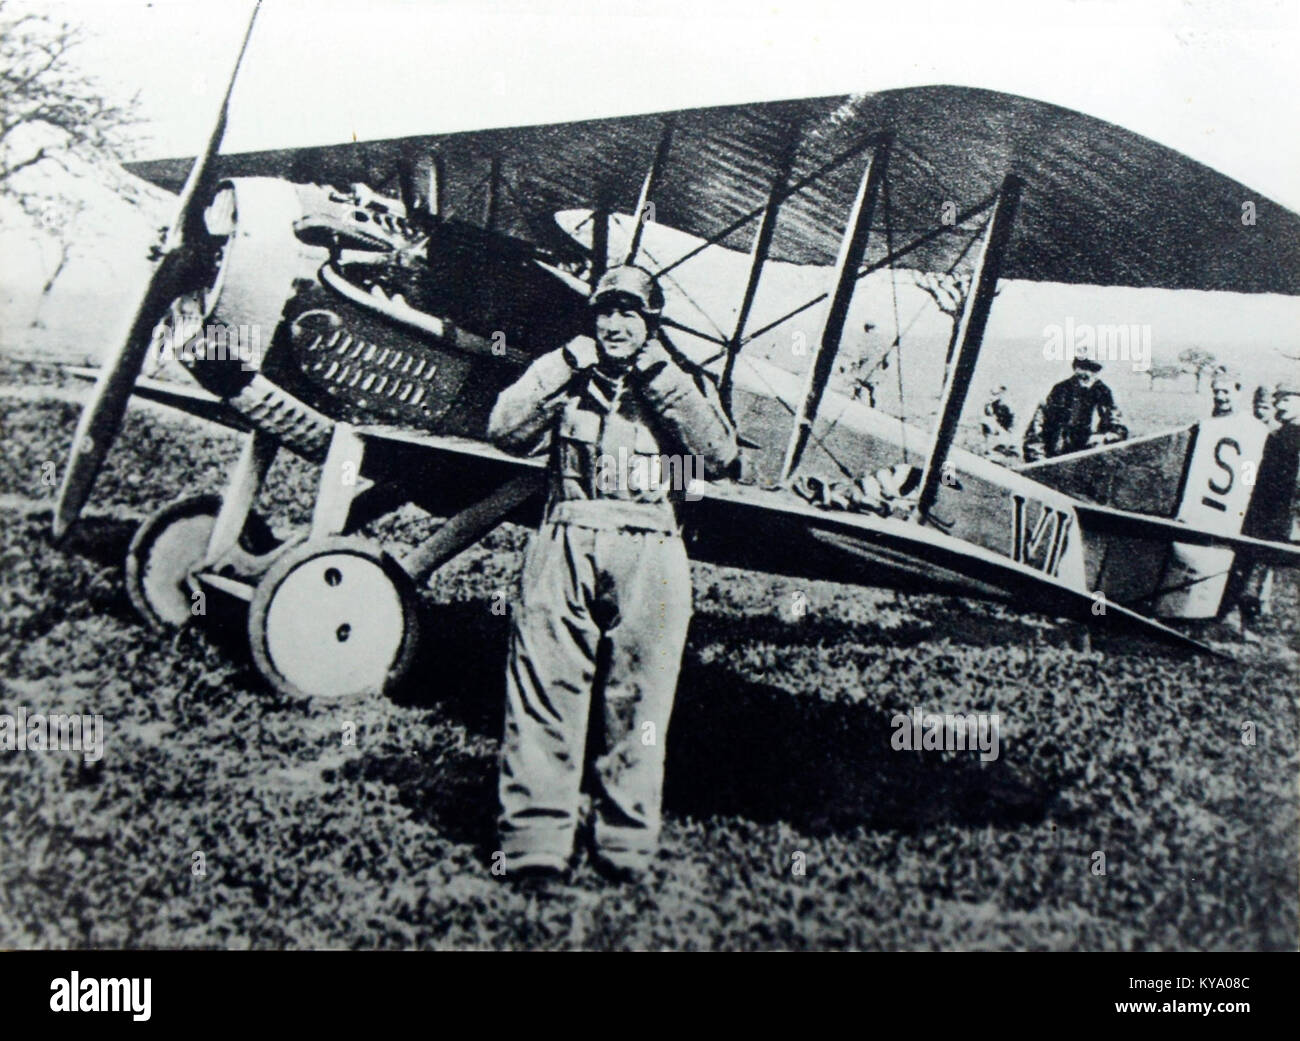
[605,594]
[1078,413]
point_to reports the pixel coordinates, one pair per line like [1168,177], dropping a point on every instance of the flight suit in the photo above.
[605,595]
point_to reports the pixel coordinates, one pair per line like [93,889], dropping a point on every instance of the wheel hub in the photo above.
[335,625]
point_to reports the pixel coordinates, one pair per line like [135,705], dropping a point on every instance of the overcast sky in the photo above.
[1218,81]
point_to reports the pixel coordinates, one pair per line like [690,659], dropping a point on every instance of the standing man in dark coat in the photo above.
[1078,413]
[1272,513]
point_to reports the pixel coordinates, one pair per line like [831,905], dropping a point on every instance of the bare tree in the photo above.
[948,291]
[52,112]
[949,294]
[1197,361]
[59,215]
[55,121]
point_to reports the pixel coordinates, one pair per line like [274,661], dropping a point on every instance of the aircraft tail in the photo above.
[1221,478]
[1203,476]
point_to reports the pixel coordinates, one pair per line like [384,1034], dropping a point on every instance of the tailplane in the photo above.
[1203,476]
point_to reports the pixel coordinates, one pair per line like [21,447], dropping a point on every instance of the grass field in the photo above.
[780,744]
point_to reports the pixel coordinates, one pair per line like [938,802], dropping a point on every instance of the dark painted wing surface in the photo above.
[1102,205]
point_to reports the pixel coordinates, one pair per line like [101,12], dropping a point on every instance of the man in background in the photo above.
[1272,511]
[1078,413]
[1263,407]
[995,425]
[1225,391]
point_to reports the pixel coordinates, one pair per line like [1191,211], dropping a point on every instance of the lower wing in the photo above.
[764,530]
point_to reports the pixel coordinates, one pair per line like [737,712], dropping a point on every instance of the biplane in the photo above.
[403,283]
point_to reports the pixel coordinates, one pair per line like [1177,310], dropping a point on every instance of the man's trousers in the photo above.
[599,631]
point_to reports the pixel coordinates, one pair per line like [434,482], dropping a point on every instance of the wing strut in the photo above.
[810,178]
[853,248]
[644,205]
[757,258]
[970,334]
[599,243]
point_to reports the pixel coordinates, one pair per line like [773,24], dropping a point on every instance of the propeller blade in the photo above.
[102,416]
[188,213]
[101,419]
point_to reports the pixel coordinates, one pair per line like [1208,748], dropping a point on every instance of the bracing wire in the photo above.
[897,345]
[899,334]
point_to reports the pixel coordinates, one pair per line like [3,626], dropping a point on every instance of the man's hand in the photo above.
[652,357]
[581,353]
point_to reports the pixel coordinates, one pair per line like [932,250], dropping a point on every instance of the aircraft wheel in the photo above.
[333,618]
[166,549]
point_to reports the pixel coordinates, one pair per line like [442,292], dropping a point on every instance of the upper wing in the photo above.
[1102,205]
